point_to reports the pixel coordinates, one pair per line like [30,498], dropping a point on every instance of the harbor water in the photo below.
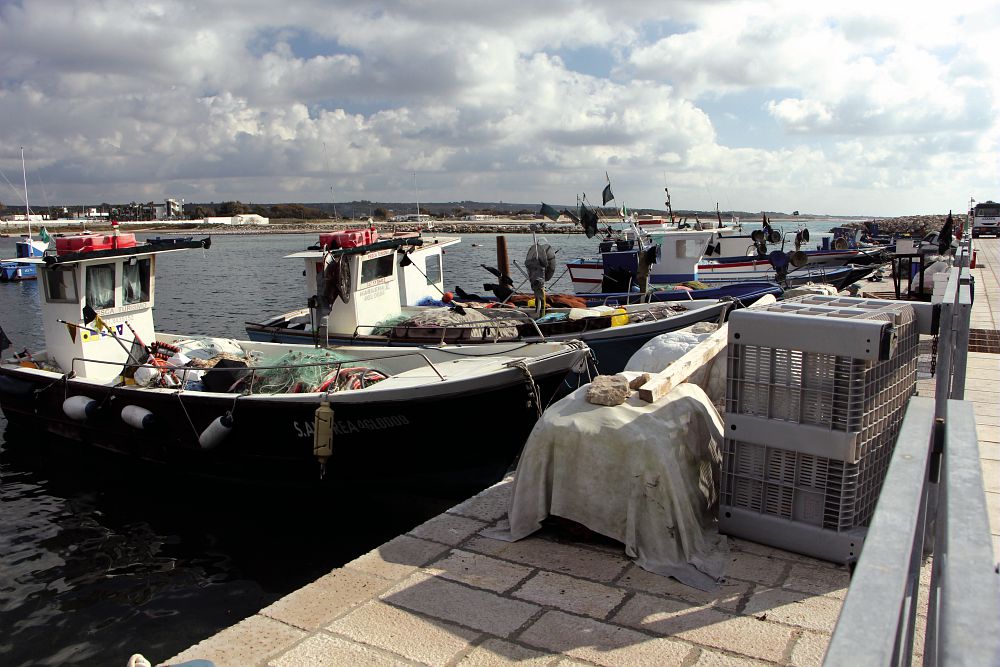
[100,559]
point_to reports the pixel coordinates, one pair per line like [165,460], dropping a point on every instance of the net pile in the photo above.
[315,370]
[484,323]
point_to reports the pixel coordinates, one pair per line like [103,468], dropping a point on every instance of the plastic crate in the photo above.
[91,242]
[348,239]
[816,390]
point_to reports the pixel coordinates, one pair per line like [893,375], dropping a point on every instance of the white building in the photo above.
[411,217]
[242,219]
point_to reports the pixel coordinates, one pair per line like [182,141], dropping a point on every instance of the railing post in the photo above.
[942,384]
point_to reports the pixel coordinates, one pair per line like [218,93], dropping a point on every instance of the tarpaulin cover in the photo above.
[641,473]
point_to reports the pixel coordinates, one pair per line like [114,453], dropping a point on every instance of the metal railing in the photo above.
[933,501]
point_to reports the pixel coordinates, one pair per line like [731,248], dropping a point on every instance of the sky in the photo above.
[874,108]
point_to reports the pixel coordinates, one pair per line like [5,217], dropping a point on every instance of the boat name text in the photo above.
[305,429]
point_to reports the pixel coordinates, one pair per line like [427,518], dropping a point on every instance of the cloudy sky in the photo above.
[869,108]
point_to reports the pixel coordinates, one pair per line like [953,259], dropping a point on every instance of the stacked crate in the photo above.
[815,396]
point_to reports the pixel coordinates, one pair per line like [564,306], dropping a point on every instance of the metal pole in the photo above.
[942,386]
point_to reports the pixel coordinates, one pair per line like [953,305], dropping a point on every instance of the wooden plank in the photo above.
[679,371]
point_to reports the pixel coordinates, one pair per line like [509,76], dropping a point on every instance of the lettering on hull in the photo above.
[304,429]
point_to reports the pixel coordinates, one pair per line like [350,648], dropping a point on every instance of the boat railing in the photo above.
[338,364]
[932,502]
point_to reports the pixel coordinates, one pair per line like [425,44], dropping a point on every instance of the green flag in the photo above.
[44,235]
[549,212]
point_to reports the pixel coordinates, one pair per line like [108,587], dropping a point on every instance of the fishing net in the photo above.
[314,370]
[467,322]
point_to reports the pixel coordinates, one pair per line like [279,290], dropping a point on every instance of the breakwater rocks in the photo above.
[914,225]
[436,227]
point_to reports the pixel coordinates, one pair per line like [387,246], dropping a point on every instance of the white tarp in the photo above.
[660,351]
[642,473]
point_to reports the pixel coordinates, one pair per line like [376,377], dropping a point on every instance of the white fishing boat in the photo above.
[383,295]
[271,412]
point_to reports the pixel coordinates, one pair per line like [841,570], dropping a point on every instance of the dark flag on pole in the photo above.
[571,215]
[4,341]
[946,235]
[549,212]
[589,221]
[606,196]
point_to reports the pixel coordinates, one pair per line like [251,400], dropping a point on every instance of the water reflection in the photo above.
[100,558]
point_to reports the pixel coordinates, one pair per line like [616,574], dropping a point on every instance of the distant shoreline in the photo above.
[918,225]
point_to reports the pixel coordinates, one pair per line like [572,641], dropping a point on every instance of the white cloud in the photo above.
[273,102]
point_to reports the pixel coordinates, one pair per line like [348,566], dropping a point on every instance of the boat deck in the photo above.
[443,594]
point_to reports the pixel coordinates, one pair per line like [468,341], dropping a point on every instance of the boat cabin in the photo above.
[110,276]
[665,256]
[372,272]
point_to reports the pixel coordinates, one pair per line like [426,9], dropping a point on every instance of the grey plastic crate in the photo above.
[815,398]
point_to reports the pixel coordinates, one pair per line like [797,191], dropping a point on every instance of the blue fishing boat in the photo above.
[12,270]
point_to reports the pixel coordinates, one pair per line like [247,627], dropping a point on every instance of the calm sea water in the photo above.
[98,560]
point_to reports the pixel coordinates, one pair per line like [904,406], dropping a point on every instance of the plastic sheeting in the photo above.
[642,473]
[659,352]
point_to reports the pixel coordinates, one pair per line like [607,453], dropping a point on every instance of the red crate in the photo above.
[348,239]
[90,242]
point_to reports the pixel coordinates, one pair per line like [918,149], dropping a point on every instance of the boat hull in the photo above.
[612,346]
[452,442]
[17,271]
[745,293]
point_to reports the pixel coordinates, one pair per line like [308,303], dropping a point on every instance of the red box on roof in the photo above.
[91,242]
[348,239]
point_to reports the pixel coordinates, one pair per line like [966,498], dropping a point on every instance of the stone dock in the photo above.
[443,594]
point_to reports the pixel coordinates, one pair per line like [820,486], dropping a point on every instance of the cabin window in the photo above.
[101,286]
[690,248]
[378,267]
[135,281]
[60,285]
[433,269]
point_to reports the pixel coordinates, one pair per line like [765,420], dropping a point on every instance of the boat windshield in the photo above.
[101,286]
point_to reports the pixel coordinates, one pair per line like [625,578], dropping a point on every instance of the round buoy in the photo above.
[447,297]
[79,407]
[136,417]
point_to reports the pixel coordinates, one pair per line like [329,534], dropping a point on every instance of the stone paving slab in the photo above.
[444,594]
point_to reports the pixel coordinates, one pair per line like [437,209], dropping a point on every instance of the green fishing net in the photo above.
[314,370]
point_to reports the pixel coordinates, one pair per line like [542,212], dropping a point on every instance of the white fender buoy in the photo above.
[79,407]
[216,432]
[136,417]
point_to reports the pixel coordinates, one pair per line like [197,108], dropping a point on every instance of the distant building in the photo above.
[411,217]
[478,217]
[243,219]
[21,217]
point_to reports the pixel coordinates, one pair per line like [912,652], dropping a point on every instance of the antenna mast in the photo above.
[332,198]
[415,197]
[27,207]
